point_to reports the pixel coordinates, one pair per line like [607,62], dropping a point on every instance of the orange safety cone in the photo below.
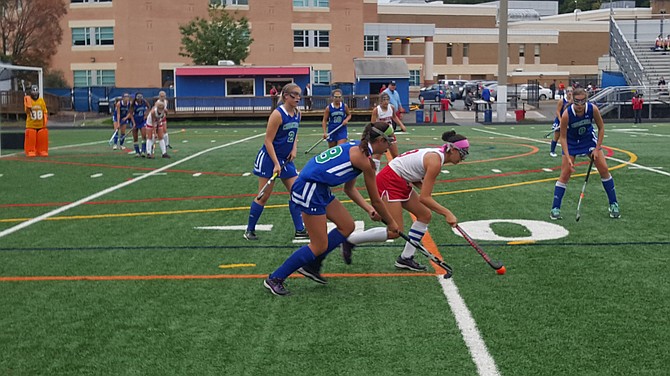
[427,119]
[434,117]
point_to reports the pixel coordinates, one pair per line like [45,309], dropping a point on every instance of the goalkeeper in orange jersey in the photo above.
[37,135]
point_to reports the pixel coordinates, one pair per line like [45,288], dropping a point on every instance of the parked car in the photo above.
[543,93]
[435,92]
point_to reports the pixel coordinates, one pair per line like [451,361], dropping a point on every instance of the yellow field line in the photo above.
[632,156]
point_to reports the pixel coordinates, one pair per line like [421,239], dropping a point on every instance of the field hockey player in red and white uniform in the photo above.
[386,113]
[420,168]
[155,123]
[162,97]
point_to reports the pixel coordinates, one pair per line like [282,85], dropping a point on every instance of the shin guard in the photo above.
[42,144]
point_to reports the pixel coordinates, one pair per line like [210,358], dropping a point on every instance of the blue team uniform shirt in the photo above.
[581,135]
[311,190]
[557,121]
[335,118]
[124,109]
[138,113]
[283,145]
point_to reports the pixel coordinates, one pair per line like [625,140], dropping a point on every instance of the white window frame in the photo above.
[92,36]
[311,3]
[251,80]
[322,77]
[311,38]
[371,43]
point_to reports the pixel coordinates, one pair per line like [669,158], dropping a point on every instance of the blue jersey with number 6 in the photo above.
[332,167]
[286,134]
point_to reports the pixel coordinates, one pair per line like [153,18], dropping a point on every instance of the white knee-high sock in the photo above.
[150,145]
[166,138]
[161,143]
[416,232]
[377,234]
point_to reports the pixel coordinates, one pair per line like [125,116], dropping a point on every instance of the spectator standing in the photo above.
[552,87]
[381,90]
[638,102]
[308,97]
[561,89]
[486,96]
[394,98]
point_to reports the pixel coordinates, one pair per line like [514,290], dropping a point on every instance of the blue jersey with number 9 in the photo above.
[332,167]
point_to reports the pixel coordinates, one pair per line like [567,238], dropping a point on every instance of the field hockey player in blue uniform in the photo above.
[311,192]
[276,156]
[556,127]
[336,116]
[139,111]
[578,138]
[121,118]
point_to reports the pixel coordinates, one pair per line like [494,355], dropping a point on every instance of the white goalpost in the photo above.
[9,81]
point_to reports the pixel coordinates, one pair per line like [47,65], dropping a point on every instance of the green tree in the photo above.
[30,31]
[55,79]
[222,37]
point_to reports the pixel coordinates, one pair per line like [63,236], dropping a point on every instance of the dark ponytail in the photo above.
[369,135]
[451,136]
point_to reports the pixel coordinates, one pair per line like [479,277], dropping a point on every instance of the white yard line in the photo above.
[546,142]
[44,216]
[486,366]
[58,148]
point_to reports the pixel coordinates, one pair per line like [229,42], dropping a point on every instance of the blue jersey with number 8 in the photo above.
[332,167]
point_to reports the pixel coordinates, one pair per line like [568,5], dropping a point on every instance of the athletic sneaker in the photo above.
[250,235]
[150,156]
[409,263]
[276,286]
[302,234]
[312,273]
[166,156]
[115,147]
[346,251]
[553,154]
[555,214]
[122,147]
[614,210]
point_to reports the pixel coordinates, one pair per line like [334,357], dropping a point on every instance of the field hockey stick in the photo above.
[272,179]
[581,195]
[497,265]
[327,135]
[549,134]
[111,139]
[426,253]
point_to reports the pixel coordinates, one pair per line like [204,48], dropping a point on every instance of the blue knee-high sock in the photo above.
[116,138]
[553,146]
[137,147]
[335,238]
[122,139]
[144,147]
[559,191]
[296,215]
[608,184]
[300,257]
[254,215]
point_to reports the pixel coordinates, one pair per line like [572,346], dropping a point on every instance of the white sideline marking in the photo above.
[58,148]
[46,176]
[246,174]
[496,170]
[96,175]
[547,142]
[52,213]
[486,366]
[234,228]
[197,174]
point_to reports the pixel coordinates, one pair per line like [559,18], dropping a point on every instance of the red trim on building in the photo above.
[241,71]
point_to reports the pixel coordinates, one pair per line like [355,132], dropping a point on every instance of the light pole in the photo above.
[501,101]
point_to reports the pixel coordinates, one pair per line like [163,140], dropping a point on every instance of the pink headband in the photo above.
[461,144]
